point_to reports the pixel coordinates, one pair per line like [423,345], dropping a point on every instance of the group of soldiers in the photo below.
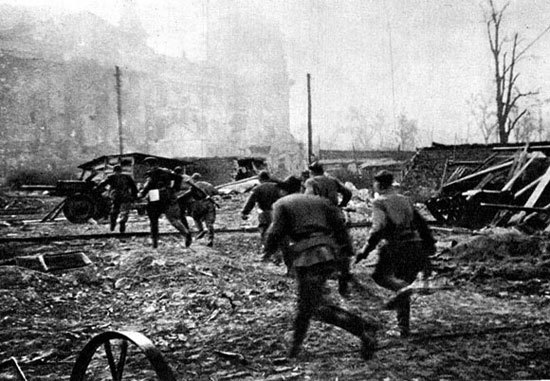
[302,219]
[168,192]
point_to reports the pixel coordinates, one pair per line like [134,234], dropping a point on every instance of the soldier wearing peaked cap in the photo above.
[122,192]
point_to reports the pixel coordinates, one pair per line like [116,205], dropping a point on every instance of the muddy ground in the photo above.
[221,314]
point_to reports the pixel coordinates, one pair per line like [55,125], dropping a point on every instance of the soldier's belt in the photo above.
[308,243]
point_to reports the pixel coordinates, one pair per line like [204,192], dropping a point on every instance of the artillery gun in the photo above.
[82,200]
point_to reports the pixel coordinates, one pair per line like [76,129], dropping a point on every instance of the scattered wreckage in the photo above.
[505,189]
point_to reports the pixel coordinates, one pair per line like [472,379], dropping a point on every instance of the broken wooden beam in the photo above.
[541,186]
[479,174]
[517,174]
[514,207]
[532,147]
[527,187]
[237,182]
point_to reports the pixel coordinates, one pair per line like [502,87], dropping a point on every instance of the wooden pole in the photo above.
[309,131]
[119,112]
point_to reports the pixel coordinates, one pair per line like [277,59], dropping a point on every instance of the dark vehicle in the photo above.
[82,200]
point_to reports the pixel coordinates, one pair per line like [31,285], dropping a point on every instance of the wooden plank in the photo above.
[486,180]
[444,174]
[516,175]
[520,160]
[527,187]
[241,181]
[453,175]
[485,162]
[480,173]
[514,207]
[541,186]
[533,147]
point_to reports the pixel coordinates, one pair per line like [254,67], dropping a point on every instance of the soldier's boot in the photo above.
[210,236]
[368,345]
[154,222]
[363,329]
[176,222]
[403,317]
[396,301]
[112,224]
[301,325]
[122,227]
[398,285]
[343,283]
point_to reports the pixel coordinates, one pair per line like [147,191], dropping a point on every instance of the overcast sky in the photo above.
[439,47]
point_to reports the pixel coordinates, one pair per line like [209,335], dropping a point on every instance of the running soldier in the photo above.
[329,187]
[198,203]
[122,192]
[263,195]
[159,188]
[319,241]
[404,243]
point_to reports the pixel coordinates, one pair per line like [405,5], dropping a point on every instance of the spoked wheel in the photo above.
[78,208]
[112,355]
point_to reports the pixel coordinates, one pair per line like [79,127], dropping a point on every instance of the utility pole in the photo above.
[119,112]
[309,132]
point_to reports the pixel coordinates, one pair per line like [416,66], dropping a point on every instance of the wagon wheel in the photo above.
[78,208]
[98,359]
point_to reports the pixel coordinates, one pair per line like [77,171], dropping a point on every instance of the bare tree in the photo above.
[482,116]
[507,93]
[531,127]
[407,130]
[361,128]
[526,128]
[379,126]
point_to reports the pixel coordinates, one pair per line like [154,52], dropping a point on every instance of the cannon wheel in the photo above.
[116,367]
[78,208]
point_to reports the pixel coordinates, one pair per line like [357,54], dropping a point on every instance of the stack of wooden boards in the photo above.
[510,187]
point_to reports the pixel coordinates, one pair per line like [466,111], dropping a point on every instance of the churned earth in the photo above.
[221,314]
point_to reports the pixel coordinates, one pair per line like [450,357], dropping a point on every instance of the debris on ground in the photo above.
[505,189]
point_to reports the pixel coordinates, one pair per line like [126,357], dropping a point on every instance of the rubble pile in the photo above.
[499,256]
[508,188]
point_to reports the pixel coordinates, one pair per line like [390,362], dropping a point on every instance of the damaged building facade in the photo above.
[58,99]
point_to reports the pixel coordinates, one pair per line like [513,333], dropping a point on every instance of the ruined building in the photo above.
[58,103]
